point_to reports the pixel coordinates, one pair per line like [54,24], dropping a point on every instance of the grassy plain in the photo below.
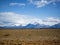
[29,36]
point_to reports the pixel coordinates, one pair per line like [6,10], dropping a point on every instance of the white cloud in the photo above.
[41,3]
[12,19]
[51,21]
[17,4]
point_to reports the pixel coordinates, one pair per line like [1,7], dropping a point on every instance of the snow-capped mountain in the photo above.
[36,25]
[56,26]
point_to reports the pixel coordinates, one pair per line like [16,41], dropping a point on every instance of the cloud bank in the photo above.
[13,19]
[37,3]
[41,3]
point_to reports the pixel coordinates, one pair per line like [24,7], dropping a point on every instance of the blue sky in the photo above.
[39,10]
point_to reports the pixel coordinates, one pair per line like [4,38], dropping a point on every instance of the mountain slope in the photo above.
[56,26]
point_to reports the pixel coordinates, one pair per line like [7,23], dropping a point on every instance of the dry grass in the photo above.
[29,36]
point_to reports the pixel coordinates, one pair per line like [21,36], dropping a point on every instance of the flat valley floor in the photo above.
[29,36]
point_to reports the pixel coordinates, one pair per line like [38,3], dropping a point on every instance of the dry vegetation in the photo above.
[29,36]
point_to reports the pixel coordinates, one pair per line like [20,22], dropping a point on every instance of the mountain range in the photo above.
[34,26]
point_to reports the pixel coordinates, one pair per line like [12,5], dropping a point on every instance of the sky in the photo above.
[23,12]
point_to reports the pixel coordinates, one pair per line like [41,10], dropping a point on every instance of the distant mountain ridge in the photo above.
[34,26]
[56,26]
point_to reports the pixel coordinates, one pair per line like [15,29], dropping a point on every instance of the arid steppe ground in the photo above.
[29,36]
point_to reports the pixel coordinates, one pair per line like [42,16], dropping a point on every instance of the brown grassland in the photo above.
[29,36]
